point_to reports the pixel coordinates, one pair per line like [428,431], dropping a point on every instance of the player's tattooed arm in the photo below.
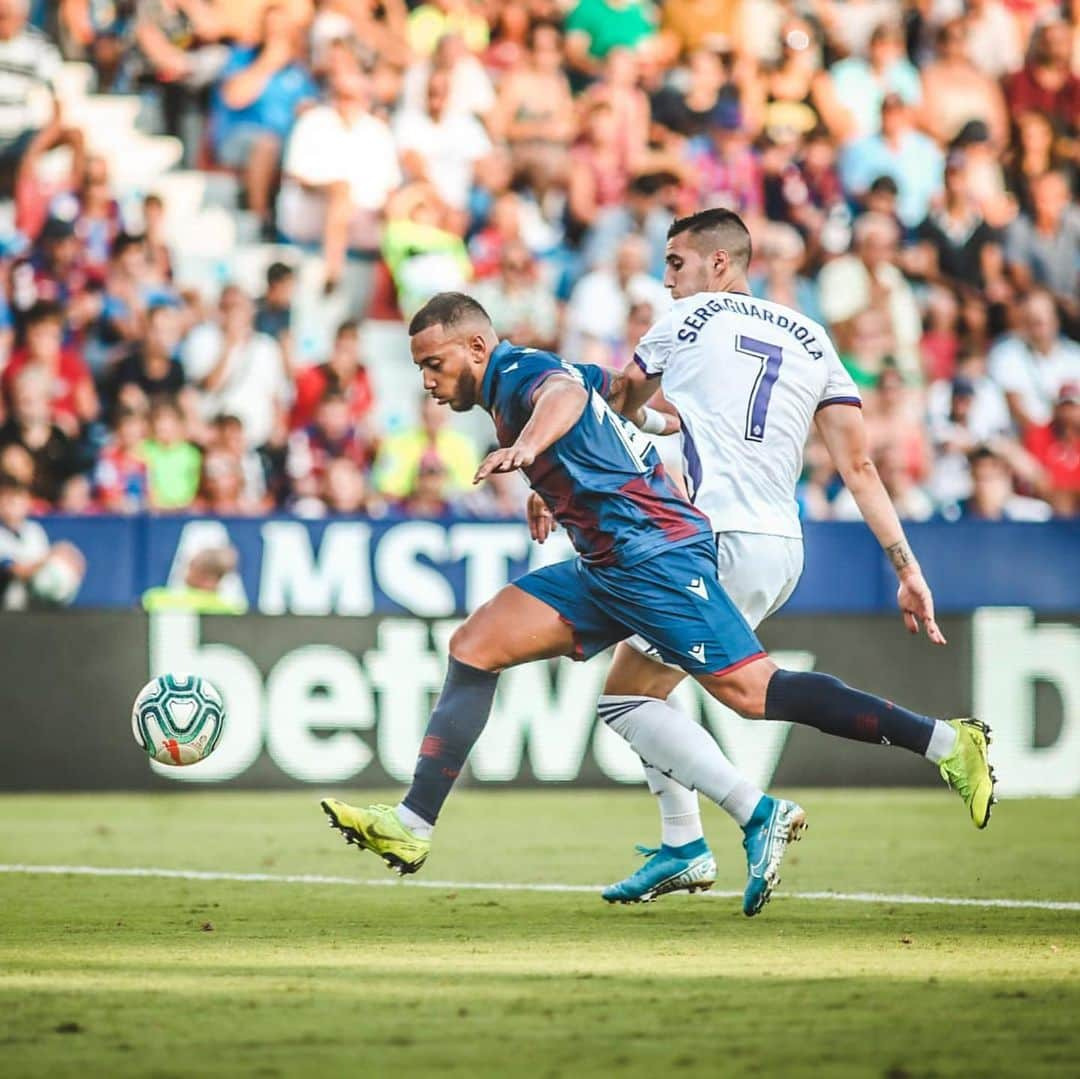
[900,555]
[844,434]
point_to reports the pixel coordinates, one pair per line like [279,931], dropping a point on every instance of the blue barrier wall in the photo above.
[445,567]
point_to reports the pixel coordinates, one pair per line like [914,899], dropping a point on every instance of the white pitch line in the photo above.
[502,886]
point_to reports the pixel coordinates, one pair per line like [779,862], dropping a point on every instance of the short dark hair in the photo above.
[538,25]
[278,271]
[44,311]
[983,452]
[446,309]
[124,241]
[648,184]
[884,184]
[350,325]
[8,482]
[726,227]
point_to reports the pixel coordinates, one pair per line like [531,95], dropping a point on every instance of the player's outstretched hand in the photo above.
[509,459]
[541,522]
[917,604]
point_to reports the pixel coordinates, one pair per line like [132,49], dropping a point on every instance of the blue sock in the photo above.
[824,702]
[459,716]
[761,814]
[688,850]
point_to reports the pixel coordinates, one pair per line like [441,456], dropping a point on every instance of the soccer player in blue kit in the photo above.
[646,565]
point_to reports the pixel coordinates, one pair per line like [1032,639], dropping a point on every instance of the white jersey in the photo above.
[29,544]
[747,377]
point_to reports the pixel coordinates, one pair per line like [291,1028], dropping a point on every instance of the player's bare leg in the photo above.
[513,627]
[761,690]
[680,758]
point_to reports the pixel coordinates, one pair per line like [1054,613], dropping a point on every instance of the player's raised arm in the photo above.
[557,405]
[844,432]
[628,393]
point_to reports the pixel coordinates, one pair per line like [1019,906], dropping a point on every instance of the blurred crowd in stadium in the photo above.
[909,171]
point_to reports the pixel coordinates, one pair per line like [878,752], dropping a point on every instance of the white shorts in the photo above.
[758,571]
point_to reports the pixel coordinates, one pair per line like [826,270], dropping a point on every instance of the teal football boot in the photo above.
[689,868]
[774,824]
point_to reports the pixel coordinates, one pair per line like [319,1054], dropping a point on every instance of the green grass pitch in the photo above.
[120,976]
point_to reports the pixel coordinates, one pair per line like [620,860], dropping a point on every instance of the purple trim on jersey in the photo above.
[692,459]
[856,401]
[606,376]
[641,363]
[551,481]
[665,515]
[540,379]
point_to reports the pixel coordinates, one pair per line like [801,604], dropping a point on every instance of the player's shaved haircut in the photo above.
[717,230]
[446,309]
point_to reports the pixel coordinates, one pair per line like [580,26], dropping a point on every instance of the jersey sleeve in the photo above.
[595,377]
[519,381]
[840,388]
[654,349]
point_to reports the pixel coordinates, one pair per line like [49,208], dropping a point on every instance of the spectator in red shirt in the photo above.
[56,270]
[342,372]
[73,398]
[1046,83]
[120,479]
[1057,448]
[333,434]
[221,492]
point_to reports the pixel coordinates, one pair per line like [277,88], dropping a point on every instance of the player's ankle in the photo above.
[694,849]
[416,824]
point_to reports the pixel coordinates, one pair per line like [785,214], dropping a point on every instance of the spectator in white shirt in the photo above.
[240,372]
[869,277]
[963,413]
[30,118]
[471,91]
[601,300]
[1033,364]
[993,38]
[340,167]
[439,145]
[32,570]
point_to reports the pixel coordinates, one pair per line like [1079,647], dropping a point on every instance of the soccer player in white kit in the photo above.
[748,378]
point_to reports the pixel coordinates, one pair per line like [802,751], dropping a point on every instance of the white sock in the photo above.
[676,746]
[680,818]
[942,742]
[415,823]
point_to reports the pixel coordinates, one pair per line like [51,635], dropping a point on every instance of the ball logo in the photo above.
[177,718]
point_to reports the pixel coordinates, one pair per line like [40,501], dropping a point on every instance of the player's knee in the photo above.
[467,645]
[743,691]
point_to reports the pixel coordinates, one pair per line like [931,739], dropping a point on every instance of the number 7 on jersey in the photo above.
[770,357]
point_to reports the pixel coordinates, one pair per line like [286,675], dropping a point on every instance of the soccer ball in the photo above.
[178,718]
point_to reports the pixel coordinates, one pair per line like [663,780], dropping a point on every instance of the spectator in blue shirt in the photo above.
[861,85]
[254,105]
[908,156]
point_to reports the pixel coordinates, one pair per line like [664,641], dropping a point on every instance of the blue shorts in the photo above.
[234,149]
[674,600]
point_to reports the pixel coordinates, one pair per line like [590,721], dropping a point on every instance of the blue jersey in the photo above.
[603,480]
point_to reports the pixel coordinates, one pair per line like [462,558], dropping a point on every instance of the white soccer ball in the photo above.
[178,718]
